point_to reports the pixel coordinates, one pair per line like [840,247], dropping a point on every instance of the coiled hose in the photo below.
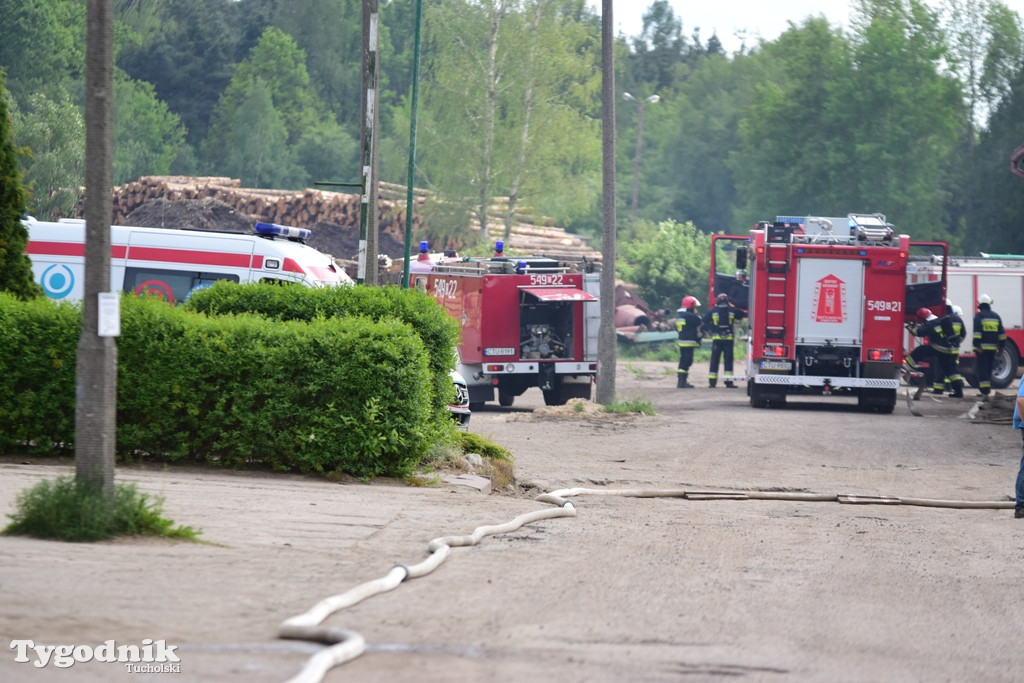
[345,645]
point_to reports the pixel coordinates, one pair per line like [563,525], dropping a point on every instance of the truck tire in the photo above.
[554,397]
[1004,369]
[877,400]
[557,394]
[576,390]
[757,395]
[505,400]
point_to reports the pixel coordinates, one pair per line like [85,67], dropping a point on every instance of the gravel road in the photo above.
[652,588]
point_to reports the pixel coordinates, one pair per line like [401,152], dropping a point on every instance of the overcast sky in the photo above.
[758,18]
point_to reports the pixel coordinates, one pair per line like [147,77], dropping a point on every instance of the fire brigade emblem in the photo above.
[829,300]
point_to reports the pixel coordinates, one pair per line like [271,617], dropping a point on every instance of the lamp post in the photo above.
[636,157]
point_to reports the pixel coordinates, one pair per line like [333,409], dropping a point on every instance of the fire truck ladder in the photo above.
[777,266]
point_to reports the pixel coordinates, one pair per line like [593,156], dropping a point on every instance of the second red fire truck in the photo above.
[828,300]
[526,322]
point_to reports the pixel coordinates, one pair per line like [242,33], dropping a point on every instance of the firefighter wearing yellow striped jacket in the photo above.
[988,340]
[720,322]
[688,325]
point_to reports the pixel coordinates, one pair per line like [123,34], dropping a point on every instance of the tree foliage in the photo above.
[15,268]
[52,133]
[900,112]
[147,136]
[667,260]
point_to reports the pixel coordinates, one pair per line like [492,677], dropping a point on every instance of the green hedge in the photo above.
[332,395]
[440,334]
[37,376]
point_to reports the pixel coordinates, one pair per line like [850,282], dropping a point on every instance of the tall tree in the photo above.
[791,145]
[328,32]
[147,136]
[547,144]
[52,132]
[256,144]
[467,80]
[904,116]
[189,60]
[997,213]
[687,174]
[276,66]
[661,57]
[42,44]
[15,267]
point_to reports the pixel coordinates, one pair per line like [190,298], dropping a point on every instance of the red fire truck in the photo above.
[528,322]
[827,301]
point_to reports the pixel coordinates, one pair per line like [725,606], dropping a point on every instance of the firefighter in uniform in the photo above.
[944,344]
[922,361]
[688,327]
[720,321]
[988,340]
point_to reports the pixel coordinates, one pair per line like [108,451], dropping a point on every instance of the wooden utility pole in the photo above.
[96,365]
[606,332]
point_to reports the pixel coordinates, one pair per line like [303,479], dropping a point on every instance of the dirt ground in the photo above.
[653,588]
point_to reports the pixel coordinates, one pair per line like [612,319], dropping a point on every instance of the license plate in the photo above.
[776,365]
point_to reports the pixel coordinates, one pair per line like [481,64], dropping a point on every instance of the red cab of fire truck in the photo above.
[172,263]
[828,300]
[1001,277]
[525,322]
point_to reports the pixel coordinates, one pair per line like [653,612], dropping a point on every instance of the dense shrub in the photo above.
[433,324]
[37,371]
[332,395]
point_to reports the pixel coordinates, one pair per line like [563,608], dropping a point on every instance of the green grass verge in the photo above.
[69,510]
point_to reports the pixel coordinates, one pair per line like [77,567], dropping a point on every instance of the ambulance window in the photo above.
[171,285]
[277,281]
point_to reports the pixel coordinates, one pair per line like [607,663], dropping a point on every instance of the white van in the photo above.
[173,263]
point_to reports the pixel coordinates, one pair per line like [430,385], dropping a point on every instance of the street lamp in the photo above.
[636,157]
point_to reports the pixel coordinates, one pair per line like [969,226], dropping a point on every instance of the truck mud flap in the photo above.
[546,379]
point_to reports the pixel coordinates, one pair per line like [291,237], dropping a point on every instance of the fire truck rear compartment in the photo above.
[545,329]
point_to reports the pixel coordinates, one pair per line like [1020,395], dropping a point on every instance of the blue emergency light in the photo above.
[275,230]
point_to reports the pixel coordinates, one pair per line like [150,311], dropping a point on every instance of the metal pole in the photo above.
[636,168]
[412,141]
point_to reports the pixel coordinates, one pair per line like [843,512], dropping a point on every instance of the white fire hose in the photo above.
[345,645]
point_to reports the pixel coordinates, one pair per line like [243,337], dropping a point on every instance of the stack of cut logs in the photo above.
[309,207]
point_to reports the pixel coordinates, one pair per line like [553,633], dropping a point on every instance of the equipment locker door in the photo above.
[830,301]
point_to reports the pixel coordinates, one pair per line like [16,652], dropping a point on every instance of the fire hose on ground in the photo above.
[345,645]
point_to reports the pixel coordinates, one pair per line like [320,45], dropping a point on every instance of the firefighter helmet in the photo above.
[984,299]
[690,302]
[923,314]
[723,298]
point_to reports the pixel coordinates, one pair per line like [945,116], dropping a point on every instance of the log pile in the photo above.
[315,207]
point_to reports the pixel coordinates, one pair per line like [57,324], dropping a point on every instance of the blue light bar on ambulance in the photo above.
[283,231]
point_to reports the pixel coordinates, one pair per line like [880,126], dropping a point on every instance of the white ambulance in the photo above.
[173,263]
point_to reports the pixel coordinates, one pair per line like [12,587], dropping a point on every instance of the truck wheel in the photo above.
[575,390]
[505,400]
[554,397]
[1004,369]
[877,400]
[758,398]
